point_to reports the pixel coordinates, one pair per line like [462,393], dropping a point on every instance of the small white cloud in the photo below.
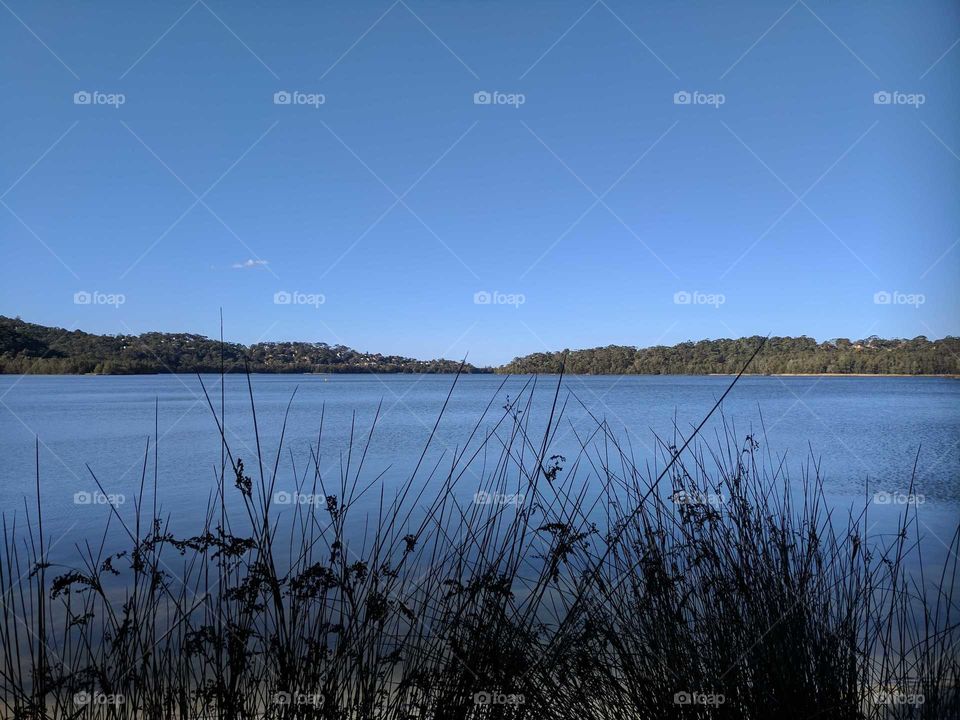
[250,264]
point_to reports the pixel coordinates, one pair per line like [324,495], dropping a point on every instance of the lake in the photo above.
[865,432]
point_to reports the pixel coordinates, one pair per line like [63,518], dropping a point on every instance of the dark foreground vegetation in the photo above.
[800,355]
[567,587]
[26,348]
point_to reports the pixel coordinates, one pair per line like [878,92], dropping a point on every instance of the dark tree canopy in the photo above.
[780,355]
[37,349]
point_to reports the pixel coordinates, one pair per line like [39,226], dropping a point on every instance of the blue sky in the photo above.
[591,205]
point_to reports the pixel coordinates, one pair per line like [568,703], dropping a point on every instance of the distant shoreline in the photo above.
[869,375]
[486,371]
[775,356]
[28,348]
[835,375]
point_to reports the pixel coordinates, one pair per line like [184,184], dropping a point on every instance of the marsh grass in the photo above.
[713,584]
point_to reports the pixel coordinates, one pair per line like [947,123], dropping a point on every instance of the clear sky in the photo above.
[590,201]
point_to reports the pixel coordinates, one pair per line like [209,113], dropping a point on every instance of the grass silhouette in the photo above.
[713,585]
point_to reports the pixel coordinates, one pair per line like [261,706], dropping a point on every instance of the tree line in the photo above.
[27,348]
[780,355]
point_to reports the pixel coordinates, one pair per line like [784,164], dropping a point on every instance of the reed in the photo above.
[711,584]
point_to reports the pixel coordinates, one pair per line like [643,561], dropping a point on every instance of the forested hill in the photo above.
[37,349]
[780,355]
[29,348]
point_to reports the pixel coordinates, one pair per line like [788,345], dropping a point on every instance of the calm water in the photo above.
[860,429]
